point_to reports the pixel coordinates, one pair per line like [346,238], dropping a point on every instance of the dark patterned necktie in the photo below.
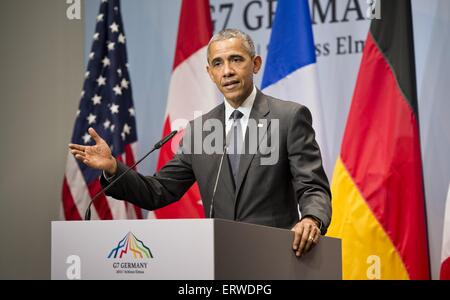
[235,141]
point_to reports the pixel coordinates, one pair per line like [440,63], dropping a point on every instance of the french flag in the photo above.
[291,71]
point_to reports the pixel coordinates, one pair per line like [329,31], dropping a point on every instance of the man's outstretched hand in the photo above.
[306,235]
[98,156]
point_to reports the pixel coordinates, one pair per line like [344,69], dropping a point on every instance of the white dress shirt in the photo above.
[245,109]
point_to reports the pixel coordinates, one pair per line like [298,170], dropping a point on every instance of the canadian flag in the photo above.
[445,256]
[191,90]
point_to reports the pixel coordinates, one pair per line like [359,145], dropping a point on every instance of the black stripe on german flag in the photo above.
[393,34]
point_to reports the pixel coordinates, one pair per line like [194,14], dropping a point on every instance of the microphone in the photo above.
[211,207]
[87,215]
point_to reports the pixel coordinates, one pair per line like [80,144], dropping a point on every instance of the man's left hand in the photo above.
[306,235]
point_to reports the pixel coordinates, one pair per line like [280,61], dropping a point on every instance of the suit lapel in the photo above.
[259,110]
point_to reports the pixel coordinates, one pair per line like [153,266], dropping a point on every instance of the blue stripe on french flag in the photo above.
[291,70]
[291,45]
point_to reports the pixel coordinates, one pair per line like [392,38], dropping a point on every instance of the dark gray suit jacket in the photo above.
[263,194]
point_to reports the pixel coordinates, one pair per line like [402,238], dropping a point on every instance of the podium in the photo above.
[185,249]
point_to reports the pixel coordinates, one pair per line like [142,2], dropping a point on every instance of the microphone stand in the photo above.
[211,207]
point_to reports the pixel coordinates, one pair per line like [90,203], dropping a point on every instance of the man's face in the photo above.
[231,68]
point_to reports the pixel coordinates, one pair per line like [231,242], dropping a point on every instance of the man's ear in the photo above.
[257,63]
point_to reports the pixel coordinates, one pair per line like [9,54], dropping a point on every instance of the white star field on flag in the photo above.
[106,103]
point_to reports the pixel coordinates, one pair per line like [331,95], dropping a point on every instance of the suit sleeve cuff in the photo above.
[319,221]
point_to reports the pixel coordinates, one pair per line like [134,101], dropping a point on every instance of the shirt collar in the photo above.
[245,107]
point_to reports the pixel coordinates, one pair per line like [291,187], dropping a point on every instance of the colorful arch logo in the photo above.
[130,245]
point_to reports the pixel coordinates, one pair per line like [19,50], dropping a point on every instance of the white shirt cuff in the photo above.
[108,178]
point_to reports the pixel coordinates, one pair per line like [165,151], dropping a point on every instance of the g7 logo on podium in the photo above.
[131,245]
[130,256]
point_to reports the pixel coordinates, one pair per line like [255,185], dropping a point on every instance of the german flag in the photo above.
[378,195]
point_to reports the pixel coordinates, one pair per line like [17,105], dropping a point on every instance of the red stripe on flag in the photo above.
[381,150]
[188,206]
[125,203]
[101,204]
[194,32]
[70,209]
[194,29]
[445,269]
[138,211]
[120,158]
[129,157]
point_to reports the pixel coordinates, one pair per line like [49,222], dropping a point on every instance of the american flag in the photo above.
[106,105]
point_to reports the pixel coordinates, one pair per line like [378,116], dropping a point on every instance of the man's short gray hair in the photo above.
[235,33]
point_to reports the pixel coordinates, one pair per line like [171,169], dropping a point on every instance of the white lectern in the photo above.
[185,249]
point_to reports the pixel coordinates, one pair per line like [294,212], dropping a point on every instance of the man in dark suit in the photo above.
[262,188]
